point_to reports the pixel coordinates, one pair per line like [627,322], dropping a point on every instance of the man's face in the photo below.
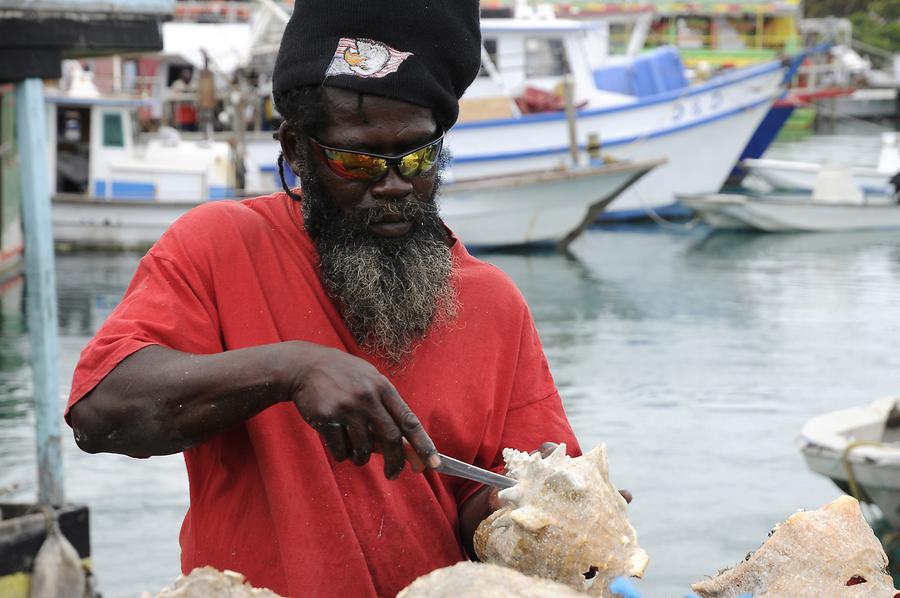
[383,250]
[381,126]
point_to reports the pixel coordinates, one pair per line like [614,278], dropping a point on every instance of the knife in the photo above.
[455,467]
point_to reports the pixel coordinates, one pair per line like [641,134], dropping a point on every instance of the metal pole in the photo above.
[571,117]
[40,281]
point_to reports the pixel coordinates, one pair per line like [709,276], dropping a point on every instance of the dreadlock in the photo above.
[304,110]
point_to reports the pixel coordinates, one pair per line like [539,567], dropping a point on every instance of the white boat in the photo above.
[801,176]
[791,213]
[545,207]
[116,190]
[861,444]
[95,150]
[652,112]
[836,204]
[872,103]
[638,106]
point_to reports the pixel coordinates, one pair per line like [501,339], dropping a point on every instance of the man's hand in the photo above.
[356,410]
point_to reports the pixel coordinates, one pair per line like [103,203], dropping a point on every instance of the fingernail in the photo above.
[434,461]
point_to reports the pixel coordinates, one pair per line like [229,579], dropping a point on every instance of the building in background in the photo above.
[706,31]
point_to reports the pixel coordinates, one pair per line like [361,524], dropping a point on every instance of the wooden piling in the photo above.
[571,117]
[40,276]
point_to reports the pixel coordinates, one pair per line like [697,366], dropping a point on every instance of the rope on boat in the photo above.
[890,540]
[845,459]
[684,227]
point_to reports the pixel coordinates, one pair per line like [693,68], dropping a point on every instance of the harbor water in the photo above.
[696,357]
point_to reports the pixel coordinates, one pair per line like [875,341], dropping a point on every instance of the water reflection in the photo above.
[89,287]
[568,300]
[696,357]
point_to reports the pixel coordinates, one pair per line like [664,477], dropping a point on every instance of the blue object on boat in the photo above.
[624,588]
[614,77]
[762,138]
[768,130]
[776,118]
[650,73]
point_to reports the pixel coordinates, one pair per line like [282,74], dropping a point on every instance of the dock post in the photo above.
[40,284]
[571,117]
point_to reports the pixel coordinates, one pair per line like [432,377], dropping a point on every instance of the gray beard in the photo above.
[390,291]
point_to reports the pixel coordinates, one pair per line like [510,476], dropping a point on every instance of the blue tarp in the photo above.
[650,73]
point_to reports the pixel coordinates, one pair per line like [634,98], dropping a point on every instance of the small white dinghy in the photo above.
[790,175]
[836,204]
[859,450]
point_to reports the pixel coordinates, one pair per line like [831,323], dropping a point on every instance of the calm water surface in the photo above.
[695,357]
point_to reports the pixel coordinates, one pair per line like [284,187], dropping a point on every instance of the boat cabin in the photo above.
[97,151]
[525,54]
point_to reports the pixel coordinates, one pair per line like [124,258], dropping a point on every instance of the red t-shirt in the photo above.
[266,498]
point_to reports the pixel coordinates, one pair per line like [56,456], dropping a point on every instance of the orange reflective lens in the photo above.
[362,166]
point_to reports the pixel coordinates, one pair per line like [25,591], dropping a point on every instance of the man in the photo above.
[185,111]
[293,346]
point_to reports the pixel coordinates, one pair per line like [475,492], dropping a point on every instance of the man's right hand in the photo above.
[160,401]
[354,408]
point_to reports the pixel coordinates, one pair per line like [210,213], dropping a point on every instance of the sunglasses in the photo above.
[362,166]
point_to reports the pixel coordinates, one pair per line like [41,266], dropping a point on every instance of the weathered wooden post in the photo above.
[40,279]
[571,117]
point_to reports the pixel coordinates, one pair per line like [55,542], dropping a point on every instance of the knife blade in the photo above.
[455,467]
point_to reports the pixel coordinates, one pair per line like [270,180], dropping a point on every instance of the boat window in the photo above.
[545,57]
[619,34]
[73,148]
[490,44]
[113,133]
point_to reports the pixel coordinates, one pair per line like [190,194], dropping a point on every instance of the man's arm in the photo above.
[159,401]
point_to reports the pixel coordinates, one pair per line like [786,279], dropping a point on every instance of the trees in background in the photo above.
[875,22]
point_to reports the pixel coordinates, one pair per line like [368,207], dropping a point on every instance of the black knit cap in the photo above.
[426,52]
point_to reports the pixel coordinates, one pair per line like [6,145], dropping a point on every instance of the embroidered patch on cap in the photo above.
[365,58]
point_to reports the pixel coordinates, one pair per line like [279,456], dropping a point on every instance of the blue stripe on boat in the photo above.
[673,210]
[609,143]
[721,81]
[125,190]
[130,190]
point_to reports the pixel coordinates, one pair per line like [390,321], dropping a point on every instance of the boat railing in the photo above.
[816,76]
[879,56]
[708,41]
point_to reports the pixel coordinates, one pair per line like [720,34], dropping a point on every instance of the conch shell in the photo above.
[828,552]
[563,521]
[479,580]
[204,582]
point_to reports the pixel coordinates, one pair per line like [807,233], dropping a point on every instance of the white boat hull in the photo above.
[701,133]
[536,208]
[796,214]
[543,207]
[867,103]
[801,176]
[868,436]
